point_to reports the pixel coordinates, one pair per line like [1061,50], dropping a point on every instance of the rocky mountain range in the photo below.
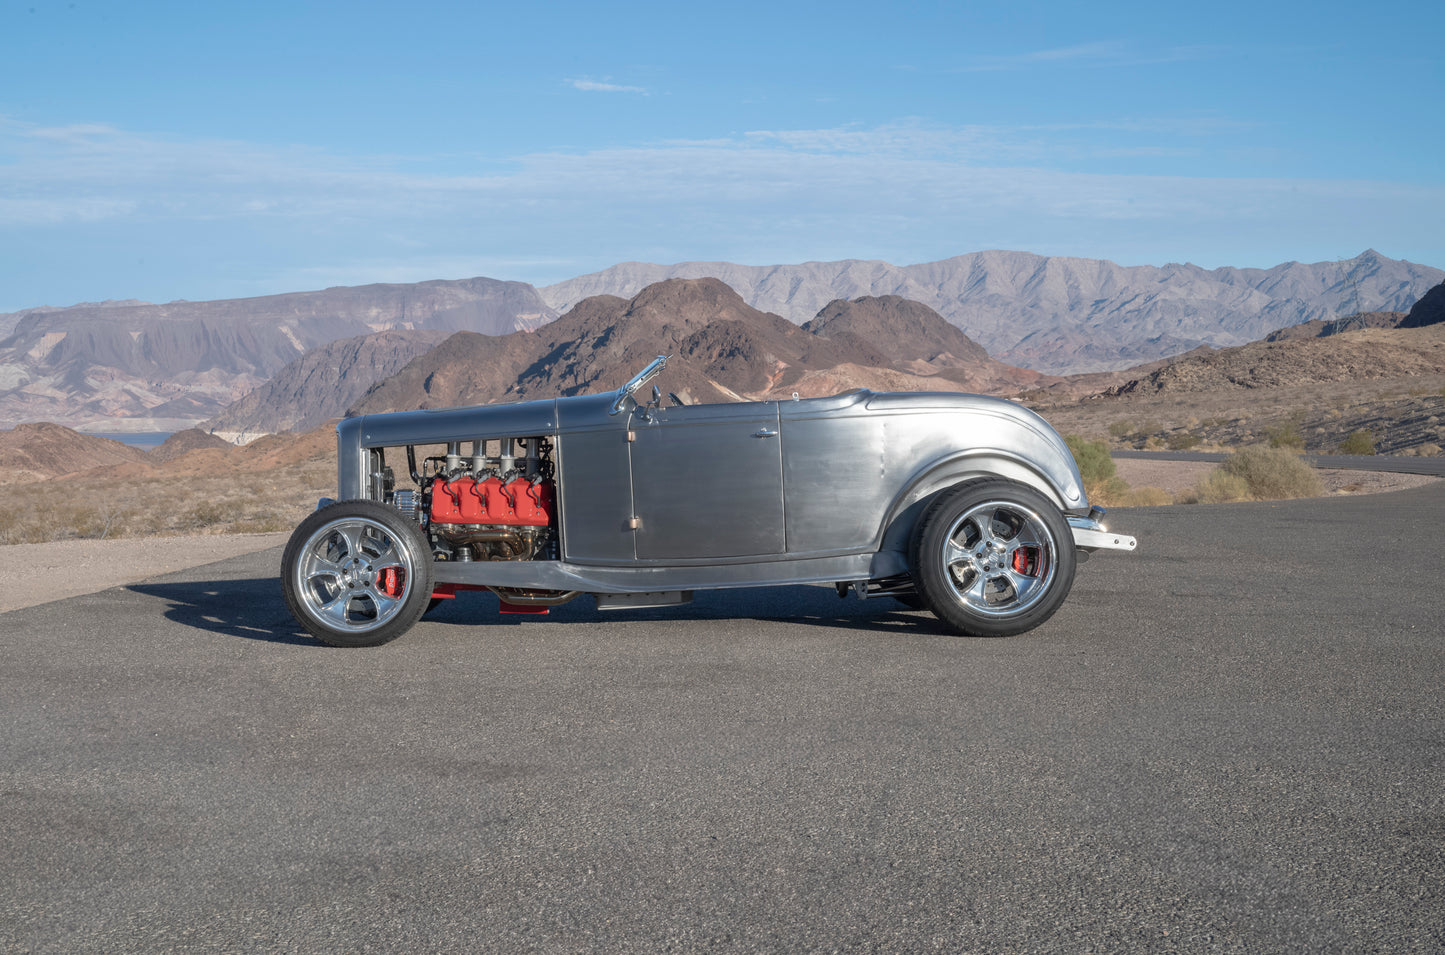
[165,367]
[1385,382]
[1358,348]
[1055,314]
[178,363]
[722,348]
[321,384]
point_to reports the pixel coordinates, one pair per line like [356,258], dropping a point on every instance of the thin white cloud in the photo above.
[298,217]
[593,86]
[912,169]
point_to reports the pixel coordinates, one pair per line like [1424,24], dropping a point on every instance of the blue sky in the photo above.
[189,150]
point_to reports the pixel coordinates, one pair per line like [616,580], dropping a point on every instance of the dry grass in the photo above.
[97,508]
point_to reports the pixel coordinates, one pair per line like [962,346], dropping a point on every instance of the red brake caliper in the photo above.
[1026,561]
[391,581]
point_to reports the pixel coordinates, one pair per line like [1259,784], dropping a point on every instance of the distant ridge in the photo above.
[722,348]
[1353,356]
[322,383]
[1318,328]
[1430,310]
[1056,314]
[185,361]
[168,367]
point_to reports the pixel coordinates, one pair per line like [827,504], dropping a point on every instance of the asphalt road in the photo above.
[1230,740]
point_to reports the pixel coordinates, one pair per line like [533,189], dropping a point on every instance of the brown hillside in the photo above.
[1430,310]
[44,450]
[918,340]
[722,349]
[1320,328]
[192,439]
[1351,356]
[902,329]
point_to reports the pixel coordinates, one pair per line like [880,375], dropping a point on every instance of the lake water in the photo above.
[145,440]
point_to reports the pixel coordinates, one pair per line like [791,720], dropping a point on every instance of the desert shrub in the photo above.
[1273,473]
[1182,441]
[1097,469]
[1217,487]
[1428,450]
[1358,442]
[1092,457]
[1120,429]
[204,514]
[1286,436]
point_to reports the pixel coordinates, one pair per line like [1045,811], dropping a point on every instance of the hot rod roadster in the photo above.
[969,506]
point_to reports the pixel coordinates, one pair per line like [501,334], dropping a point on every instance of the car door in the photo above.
[707,481]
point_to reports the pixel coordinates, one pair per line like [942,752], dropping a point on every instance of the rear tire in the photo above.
[993,558]
[357,574]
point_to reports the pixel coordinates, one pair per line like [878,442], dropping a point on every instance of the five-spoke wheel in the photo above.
[993,558]
[357,573]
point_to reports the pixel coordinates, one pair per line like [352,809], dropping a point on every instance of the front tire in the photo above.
[993,558]
[357,574]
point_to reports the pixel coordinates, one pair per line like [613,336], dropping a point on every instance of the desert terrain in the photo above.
[85,513]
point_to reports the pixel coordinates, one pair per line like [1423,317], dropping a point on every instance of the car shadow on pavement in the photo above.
[237,608]
[803,605]
[254,610]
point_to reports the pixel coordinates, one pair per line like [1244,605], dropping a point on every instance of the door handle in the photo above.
[765,433]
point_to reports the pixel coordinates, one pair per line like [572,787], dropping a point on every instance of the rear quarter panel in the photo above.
[852,464]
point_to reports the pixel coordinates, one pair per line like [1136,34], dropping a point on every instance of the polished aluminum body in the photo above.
[656,499]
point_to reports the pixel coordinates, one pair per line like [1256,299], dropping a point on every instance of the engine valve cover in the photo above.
[518,502]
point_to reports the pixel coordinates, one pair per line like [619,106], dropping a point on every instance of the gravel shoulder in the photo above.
[39,573]
[1176,476]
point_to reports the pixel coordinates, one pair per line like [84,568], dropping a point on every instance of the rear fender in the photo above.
[910,504]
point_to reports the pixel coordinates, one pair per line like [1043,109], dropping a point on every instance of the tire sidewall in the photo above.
[418,568]
[931,575]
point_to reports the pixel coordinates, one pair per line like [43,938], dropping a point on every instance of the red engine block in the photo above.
[518,502]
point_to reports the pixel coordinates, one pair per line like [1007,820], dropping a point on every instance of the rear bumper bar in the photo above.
[1090,534]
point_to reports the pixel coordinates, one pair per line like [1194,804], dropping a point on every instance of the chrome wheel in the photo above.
[993,558]
[354,574]
[1000,558]
[357,573]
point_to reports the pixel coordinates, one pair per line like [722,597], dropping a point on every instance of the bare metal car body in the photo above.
[641,503]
